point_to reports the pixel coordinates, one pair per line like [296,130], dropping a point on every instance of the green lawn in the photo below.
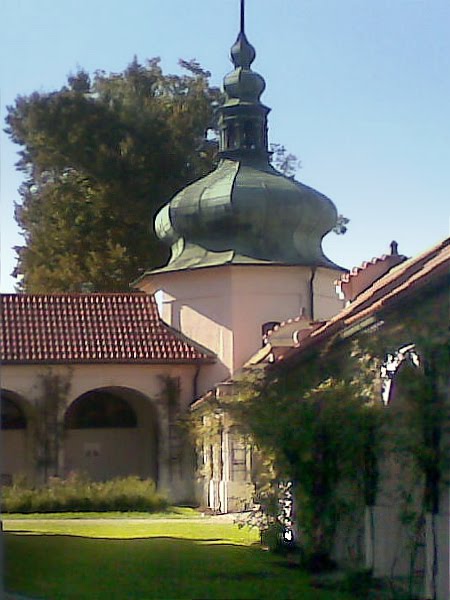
[173,512]
[145,559]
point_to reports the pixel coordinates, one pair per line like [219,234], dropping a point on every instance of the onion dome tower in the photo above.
[245,211]
[246,241]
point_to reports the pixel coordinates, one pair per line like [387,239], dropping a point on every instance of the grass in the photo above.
[173,512]
[124,529]
[136,559]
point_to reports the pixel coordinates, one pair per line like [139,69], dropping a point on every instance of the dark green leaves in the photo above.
[101,156]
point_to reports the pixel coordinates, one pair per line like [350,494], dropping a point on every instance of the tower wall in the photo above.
[224,308]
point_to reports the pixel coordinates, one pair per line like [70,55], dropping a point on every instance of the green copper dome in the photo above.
[245,212]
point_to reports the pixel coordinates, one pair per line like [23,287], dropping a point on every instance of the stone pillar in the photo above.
[216,483]
[224,484]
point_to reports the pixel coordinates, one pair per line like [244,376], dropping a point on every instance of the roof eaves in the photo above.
[110,361]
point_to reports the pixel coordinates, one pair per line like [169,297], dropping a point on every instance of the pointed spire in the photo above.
[243,119]
[242,52]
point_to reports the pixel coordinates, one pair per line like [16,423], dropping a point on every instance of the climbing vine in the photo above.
[48,421]
[318,425]
[170,398]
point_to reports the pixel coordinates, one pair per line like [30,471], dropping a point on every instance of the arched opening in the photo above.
[112,432]
[14,443]
[13,416]
[100,409]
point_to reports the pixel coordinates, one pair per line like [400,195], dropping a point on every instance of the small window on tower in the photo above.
[268,326]
[249,135]
[231,136]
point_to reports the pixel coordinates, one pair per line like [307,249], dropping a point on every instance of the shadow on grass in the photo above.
[66,567]
[201,541]
[127,539]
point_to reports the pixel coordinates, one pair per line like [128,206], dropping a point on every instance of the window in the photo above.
[238,459]
[268,326]
[231,136]
[249,135]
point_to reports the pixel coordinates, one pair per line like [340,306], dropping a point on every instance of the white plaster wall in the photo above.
[224,308]
[24,379]
[392,546]
[262,294]
[327,303]
[118,453]
[197,303]
[14,452]
[392,538]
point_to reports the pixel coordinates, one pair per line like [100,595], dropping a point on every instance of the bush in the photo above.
[79,494]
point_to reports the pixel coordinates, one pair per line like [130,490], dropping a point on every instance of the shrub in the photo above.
[78,494]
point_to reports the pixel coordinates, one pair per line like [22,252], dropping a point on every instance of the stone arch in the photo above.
[100,409]
[112,432]
[15,443]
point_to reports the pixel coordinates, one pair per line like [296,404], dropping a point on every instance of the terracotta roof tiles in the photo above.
[89,328]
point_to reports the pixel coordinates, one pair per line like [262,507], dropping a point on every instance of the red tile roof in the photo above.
[408,277]
[90,328]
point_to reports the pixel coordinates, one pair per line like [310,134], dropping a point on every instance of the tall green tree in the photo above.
[100,156]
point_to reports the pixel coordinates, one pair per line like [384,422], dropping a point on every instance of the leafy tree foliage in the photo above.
[100,156]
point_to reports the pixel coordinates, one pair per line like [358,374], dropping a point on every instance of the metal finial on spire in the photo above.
[242,16]
[242,52]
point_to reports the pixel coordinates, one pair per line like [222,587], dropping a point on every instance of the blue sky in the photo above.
[359,91]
